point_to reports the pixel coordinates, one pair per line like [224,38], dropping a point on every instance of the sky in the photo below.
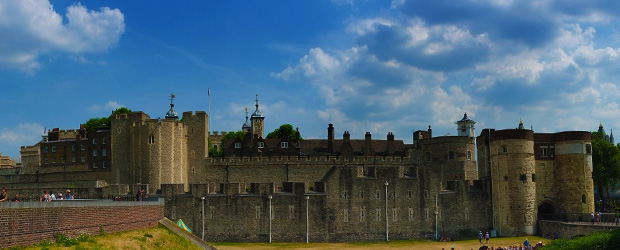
[375,66]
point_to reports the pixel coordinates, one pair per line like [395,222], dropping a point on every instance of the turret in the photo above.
[465,127]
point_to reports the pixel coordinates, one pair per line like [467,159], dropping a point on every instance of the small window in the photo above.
[506,178]
[378,214]
[151,139]
[73,159]
[94,165]
[104,152]
[346,215]
[261,144]
[533,177]
[83,159]
[504,149]
[451,155]
[46,161]
[410,214]
[362,214]
[63,160]
[54,160]
[103,164]
[394,214]
[523,178]
[428,156]
[73,148]
[588,148]
[237,144]
[83,147]
[104,140]
[284,144]
[53,148]
[94,152]
[212,208]
[94,141]
[427,215]
[469,155]
[291,212]
[45,150]
[583,198]
[362,194]
[544,152]
[466,213]
[463,128]
[410,194]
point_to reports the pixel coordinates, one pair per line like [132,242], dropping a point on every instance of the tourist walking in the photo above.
[486,236]
[480,237]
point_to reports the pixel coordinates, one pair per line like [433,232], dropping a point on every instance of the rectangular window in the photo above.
[523,178]
[378,194]
[54,160]
[362,215]
[83,159]
[505,177]
[291,212]
[451,155]
[466,213]
[427,217]
[104,140]
[504,149]
[104,152]
[393,214]
[284,144]
[410,194]
[261,144]
[346,215]
[469,155]
[63,159]
[94,152]
[94,141]
[46,161]
[94,165]
[103,164]
[378,214]
[45,150]
[410,214]
[73,159]
[533,177]
[83,147]
[543,151]
[588,148]
[237,144]
[73,147]
[151,139]
[212,211]
[53,148]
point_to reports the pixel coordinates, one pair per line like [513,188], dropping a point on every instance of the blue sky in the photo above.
[374,66]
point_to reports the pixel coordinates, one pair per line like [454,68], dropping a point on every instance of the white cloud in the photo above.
[31,28]
[24,134]
[108,106]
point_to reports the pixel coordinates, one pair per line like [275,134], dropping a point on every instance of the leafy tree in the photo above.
[284,131]
[606,161]
[232,135]
[92,123]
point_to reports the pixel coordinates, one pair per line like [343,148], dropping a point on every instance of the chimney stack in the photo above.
[330,137]
[390,143]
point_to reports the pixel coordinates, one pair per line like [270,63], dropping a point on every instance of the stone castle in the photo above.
[343,189]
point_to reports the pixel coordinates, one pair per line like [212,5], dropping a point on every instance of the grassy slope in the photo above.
[377,245]
[150,238]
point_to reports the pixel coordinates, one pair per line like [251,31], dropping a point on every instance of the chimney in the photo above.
[390,143]
[346,138]
[430,132]
[347,149]
[330,137]
[368,149]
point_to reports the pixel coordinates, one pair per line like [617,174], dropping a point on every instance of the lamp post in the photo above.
[307,218]
[203,217]
[387,229]
[270,197]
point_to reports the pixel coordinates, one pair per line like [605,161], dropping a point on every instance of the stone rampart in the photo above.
[27,223]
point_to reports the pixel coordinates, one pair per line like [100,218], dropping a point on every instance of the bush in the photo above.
[596,241]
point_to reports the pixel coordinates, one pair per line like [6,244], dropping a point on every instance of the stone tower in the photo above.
[574,185]
[465,127]
[258,125]
[514,190]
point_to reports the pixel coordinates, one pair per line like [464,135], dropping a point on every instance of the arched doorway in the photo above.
[546,211]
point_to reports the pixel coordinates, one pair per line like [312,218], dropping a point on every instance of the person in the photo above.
[60,196]
[486,236]
[3,195]
[592,217]
[139,195]
[45,197]
[69,196]
[526,244]
[15,199]
[52,196]
[617,217]
[597,217]
[480,237]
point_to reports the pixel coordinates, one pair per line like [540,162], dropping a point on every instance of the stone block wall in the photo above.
[27,223]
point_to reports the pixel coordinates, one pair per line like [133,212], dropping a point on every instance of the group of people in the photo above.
[5,197]
[485,236]
[49,196]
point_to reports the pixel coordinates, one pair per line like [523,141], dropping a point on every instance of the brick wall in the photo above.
[27,223]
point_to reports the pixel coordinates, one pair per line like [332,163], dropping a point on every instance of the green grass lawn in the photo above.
[379,245]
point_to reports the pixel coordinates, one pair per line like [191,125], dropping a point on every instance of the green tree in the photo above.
[92,123]
[284,131]
[606,161]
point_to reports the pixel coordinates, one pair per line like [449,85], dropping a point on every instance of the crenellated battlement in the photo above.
[216,133]
[309,160]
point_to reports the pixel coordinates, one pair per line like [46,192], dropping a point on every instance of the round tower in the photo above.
[513,190]
[573,172]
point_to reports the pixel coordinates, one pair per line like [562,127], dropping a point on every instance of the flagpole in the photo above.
[209,122]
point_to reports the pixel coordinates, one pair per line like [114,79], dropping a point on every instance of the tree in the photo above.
[92,123]
[606,161]
[232,135]
[284,131]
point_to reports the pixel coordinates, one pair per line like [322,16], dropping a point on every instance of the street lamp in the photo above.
[270,197]
[307,219]
[387,230]
[203,217]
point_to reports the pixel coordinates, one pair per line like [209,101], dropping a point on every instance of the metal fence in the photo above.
[86,198]
[580,218]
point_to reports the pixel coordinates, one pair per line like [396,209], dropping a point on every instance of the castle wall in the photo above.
[454,155]
[514,192]
[574,176]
